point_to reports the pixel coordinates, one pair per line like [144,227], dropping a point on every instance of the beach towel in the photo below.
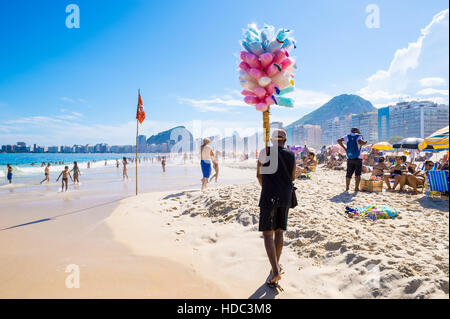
[373,212]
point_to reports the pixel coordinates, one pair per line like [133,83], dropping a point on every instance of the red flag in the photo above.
[140,114]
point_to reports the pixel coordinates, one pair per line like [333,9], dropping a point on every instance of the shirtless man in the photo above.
[65,180]
[47,174]
[206,156]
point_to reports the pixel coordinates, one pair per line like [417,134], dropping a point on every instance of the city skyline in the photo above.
[67,86]
[404,119]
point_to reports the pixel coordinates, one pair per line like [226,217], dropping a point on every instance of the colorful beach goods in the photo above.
[373,212]
[266,69]
[438,140]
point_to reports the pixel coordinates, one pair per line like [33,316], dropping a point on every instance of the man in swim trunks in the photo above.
[65,181]
[206,155]
[47,174]
[9,176]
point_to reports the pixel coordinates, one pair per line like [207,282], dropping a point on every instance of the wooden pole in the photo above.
[266,126]
[137,143]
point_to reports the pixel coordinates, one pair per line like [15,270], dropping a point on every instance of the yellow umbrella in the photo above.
[438,140]
[383,146]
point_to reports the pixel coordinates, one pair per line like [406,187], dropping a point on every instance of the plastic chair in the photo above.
[437,182]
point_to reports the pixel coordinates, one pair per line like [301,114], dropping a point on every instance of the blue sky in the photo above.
[78,86]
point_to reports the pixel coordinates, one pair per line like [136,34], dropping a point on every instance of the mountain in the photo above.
[172,136]
[339,105]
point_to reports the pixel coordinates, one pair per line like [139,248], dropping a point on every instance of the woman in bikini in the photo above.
[379,168]
[216,167]
[76,172]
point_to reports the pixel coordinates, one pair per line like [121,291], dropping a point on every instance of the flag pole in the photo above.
[137,144]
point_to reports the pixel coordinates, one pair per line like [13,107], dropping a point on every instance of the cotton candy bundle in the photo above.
[265,70]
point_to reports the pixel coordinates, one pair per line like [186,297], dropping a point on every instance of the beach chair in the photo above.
[437,182]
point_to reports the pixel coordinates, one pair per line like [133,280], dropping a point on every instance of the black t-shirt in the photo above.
[277,187]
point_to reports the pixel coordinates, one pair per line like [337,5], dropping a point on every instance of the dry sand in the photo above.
[326,254]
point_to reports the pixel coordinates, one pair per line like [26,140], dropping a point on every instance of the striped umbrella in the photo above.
[438,140]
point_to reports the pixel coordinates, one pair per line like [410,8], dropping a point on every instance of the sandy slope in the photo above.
[327,254]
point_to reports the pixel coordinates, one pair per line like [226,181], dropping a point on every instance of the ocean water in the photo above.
[22,163]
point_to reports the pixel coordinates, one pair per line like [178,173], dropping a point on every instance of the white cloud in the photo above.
[67,99]
[307,99]
[431,91]
[410,65]
[427,82]
[222,104]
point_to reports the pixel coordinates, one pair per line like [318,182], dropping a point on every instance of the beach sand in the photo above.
[326,253]
[184,243]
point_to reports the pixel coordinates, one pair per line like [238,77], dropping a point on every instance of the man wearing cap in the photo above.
[354,142]
[276,170]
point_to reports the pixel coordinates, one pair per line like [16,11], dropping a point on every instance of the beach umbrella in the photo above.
[335,149]
[383,146]
[438,140]
[410,143]
[297,148]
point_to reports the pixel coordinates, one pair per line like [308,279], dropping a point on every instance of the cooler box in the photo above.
[371,185]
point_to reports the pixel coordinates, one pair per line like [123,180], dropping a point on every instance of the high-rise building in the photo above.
[306,135]
[336,128]
[383,124]
[412,119]
[142,144]
[367,124]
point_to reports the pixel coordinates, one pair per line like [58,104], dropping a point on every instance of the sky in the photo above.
[65,86]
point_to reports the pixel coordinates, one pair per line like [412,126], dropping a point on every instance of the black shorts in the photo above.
[273,218]
[354,166]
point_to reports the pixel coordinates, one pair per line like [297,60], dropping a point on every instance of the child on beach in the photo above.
[47,174]
[9,176]
[76,172]
[125,170]
[65,180]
